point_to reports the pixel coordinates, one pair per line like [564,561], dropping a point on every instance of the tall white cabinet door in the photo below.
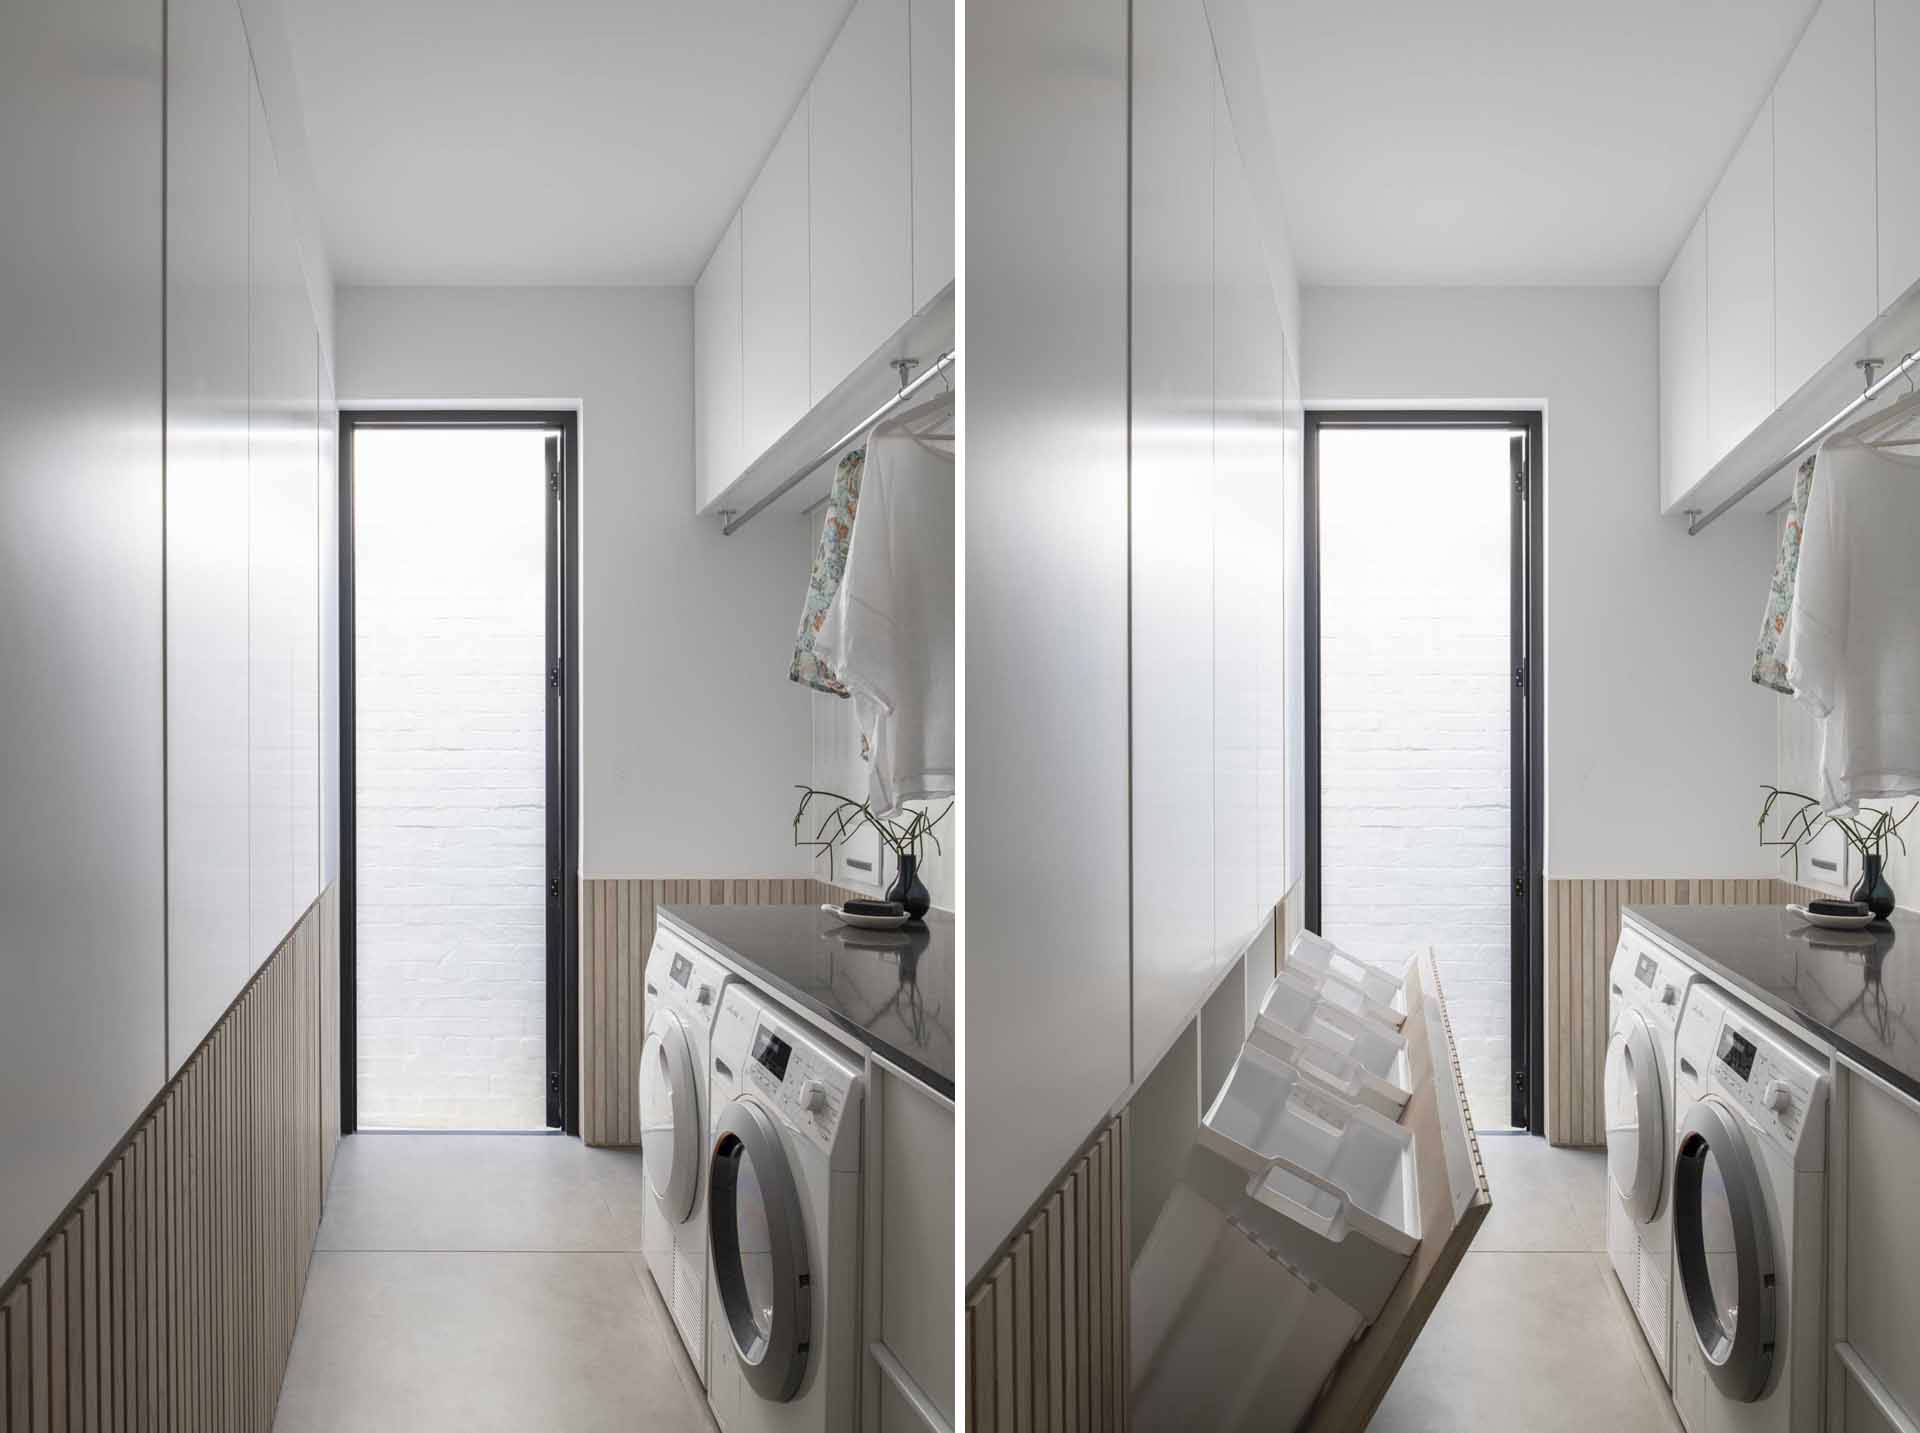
[1740,292]
[773,286]
[1684,439]
[1825,232]
[303,572]
[1245,457]
[930,24]
[861,202]
[718,413]
[280,447]
[327,535]
[1172,518]
[1293,522]
[208,82]
[1897,46]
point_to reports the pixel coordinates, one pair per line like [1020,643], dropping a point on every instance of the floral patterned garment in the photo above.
[829,566]
[1769,658]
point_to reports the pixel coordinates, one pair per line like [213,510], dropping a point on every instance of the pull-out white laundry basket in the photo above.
[1359,1060]
[1356,984]
[1294,1218]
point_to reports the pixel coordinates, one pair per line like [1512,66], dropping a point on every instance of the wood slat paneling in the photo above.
[1582,920]
[1047,1344]
[616,931]
[166,1296]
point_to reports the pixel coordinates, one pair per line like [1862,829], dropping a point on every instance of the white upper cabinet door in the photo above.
[1740,292]
[1825,232]
[1683,369]
[1897,40]
[861,201]
[931,23]
[773,279]
[717,390]
[1172,519]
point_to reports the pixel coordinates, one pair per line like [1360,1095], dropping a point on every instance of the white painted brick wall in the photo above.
[1415,762]
[450,656]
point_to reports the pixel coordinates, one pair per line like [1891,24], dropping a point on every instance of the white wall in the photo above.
[690,731]
[1654,730]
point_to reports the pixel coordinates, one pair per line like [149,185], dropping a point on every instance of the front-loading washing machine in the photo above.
[1749,1222]
[684,986]
[1647,988]
[783,1215]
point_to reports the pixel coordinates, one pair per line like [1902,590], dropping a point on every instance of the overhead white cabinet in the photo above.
[719,443]
[1172,519]
[774,279]
[1897,46]
[860,203]
[1825,226]
[1740,292]
[931,37]
[1684,434]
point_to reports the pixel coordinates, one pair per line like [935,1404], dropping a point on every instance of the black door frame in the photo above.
[1526,711]
[563,744]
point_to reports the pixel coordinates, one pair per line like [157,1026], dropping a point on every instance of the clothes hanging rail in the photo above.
[940,368]
[1697,521]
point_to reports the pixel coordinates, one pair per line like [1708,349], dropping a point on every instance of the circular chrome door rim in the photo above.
[1643,1198]
[1740,1366]
[667,1056]
[774,1363]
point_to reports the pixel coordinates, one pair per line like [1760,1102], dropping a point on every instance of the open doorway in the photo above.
[459,999]
[1423,732]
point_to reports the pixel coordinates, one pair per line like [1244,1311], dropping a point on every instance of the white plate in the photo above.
[865,922]
[1825,922]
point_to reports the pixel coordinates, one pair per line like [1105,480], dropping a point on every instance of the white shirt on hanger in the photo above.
[889,636]
[1853,657]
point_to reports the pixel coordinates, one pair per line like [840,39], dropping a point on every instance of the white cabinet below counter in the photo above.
[907,1368]
[840,258]
[1874,1299]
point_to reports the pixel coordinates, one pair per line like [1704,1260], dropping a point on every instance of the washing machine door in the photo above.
[1723,1245]
[757,1232]
[670,1116]
[1636,1117]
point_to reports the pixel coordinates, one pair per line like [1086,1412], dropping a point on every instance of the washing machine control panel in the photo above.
[1780,1090]
[808,1086]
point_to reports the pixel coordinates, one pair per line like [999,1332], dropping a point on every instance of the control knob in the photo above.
[1779,1096]
[813,1097]
[1670,994]
[703,996]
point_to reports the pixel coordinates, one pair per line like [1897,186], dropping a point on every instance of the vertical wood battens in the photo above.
[1046,1325]
[165,1298]
[1582,919]
[617,919]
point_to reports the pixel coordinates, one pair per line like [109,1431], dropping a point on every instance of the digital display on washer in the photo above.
[1736,1053]
[680,970]
[1644,970]
[771,1052]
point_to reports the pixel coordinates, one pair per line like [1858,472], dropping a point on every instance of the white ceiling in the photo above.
[1509,141]
[564,142]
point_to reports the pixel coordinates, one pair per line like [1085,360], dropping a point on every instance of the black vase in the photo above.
[1873,888]
[907,890]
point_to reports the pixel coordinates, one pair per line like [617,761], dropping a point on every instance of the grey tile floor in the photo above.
[479,1282]
[1533,1334]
